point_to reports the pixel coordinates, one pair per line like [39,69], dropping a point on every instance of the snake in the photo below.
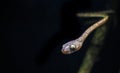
[76,44]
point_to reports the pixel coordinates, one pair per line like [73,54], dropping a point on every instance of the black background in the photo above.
[33,31]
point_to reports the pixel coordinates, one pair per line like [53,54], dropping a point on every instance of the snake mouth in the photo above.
[65,51]
[68,52]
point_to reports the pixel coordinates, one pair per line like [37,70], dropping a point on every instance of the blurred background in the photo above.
[33,32]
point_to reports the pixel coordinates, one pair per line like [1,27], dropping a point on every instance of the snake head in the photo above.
[71,47]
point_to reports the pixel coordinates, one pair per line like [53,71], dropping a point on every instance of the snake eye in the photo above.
[72,47]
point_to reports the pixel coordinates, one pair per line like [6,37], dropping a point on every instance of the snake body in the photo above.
[75,45]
